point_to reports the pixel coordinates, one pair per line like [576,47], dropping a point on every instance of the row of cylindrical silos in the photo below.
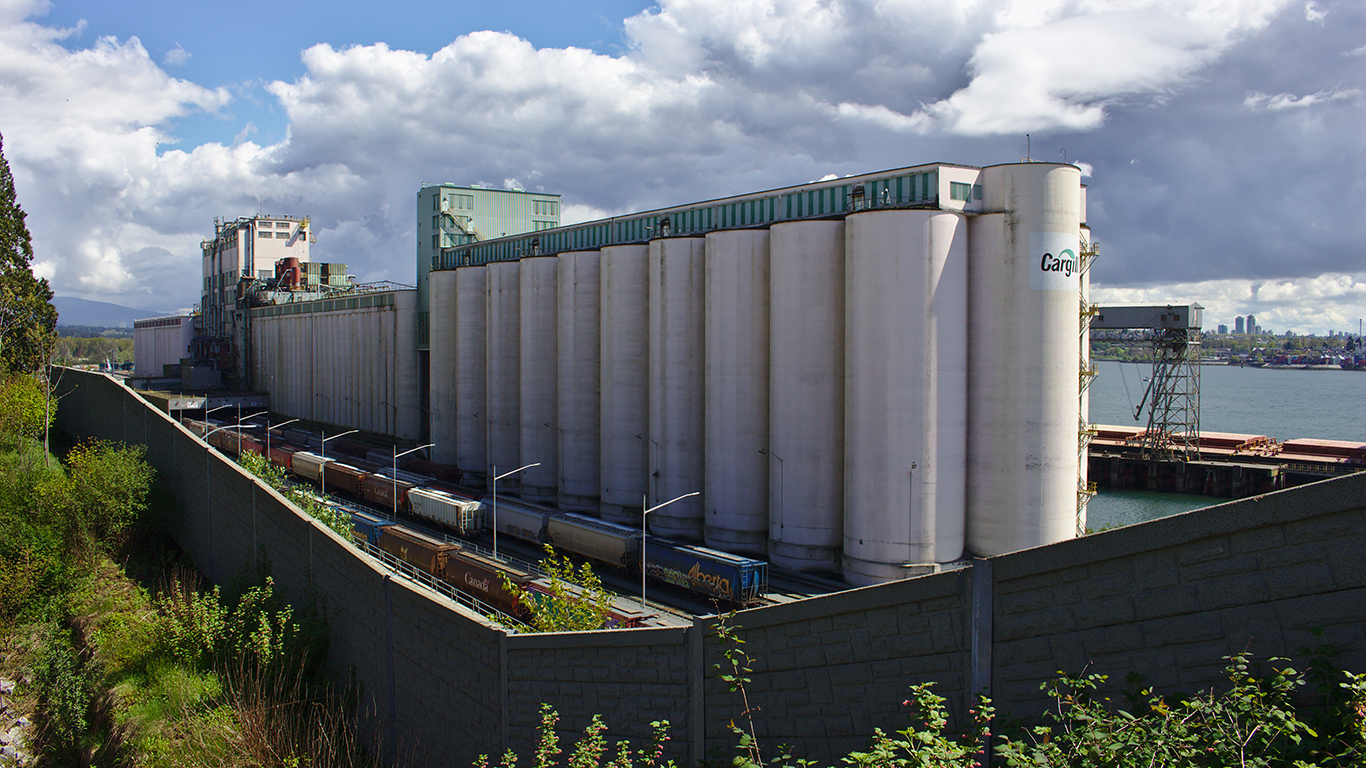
[855,395]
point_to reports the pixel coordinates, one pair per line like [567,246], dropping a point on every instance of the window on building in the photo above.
[282,234]
[960,191]
[434,241]
[263,233]
[976,191]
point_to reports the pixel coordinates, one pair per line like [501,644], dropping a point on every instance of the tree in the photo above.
[28,321]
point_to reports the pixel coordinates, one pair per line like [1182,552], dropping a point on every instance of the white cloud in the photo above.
[1312,13]
[1281,101]
[176,57]
[711,97]
[1331,301]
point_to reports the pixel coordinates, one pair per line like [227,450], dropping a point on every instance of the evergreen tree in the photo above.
[28,321]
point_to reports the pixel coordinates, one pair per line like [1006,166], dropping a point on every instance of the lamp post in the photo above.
[644,534]
[395,475]
[268,428]
[496,478]
[322,453]
[241,421]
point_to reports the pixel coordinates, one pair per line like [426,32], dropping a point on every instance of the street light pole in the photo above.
[395,475]
[322,453]
[496,478]
[644,534]
[281,424]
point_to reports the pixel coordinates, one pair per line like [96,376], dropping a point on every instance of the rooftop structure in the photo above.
[451,215]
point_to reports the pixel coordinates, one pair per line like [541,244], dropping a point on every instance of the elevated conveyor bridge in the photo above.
[1173,393]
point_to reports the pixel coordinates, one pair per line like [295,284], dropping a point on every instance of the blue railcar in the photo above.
[368,527]
[706,571]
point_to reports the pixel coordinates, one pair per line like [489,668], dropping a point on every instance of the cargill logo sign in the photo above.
[1053,263]
[1065,262]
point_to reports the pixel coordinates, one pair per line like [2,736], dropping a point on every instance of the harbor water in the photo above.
[1282,404]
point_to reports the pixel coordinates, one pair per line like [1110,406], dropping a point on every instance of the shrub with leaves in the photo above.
[198,629]
[24,408]
[575,600]
[1255,723]
[108,490]
[275,477]
[592,750]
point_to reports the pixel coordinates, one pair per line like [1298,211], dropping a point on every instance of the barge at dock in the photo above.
[1228,465]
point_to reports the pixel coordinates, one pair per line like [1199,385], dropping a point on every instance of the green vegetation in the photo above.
[1133,347]
[274,476]
[77,350]
[1269,717]
[576,602]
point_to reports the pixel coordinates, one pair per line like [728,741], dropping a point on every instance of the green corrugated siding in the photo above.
[891,189]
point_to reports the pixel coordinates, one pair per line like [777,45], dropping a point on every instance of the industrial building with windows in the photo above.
[869,376]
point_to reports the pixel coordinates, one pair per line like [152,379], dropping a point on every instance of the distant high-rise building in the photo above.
[1238,324]
[1223,329]
[1252,324]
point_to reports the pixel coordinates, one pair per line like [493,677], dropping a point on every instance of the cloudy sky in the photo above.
[1224,139]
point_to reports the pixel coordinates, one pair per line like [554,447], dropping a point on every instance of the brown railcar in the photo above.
[421,552]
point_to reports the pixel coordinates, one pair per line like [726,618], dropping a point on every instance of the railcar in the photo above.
[309,465]
[282,455]
[421,552]
[520,519]
[367,527]
[481,578]
[463,515]
[385,491]
[344,477]
[706,571]
[590,537]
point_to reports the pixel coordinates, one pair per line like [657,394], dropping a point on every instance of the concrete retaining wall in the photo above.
[1167,599]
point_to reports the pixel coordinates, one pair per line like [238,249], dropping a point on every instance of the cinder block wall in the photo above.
[1166,598]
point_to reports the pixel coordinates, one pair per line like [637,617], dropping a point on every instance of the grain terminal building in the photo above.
[868,376]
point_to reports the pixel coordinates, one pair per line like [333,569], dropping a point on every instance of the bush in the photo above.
[108,491]
[576,601]
[24,410]
[274,476]
[66,685]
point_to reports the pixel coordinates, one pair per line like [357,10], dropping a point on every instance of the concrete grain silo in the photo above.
[471,373]
[442,370]
[736,430]
[1024,350]
[806,395]
[906,283]
[540,444]
[503,295]
[676,384]
[580,365]
[624,381]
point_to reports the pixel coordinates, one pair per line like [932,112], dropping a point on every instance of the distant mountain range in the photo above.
[71,311]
